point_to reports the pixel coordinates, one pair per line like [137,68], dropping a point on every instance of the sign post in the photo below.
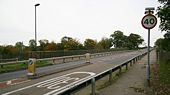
[149,21]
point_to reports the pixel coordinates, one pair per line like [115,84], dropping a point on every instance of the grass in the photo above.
[106,83]
[115,76]
[164,71]
[21,66]
[102,83]
[160,76]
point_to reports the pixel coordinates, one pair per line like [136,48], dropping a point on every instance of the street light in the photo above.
[36,26]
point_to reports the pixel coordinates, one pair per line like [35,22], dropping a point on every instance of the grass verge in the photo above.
[21,66]
[161,78]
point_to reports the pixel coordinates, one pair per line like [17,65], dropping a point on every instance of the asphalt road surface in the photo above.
[23,73]
[56,83]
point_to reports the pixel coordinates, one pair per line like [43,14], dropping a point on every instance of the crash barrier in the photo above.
[64,59]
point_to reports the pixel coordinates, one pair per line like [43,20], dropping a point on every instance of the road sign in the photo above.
[31,66]
[30,62]
[149,21]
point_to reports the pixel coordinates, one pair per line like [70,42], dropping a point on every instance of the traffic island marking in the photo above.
[13,82]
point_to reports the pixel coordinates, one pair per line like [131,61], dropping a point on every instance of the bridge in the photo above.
[63,79]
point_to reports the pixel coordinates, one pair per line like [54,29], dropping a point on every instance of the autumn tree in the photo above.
[51,46]
[43,44]
[9,51]
[105,43]
[90,44]
[32,44]
[69,43]
[19,47]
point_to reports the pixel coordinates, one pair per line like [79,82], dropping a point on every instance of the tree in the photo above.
[9,51]
[105,43]
[118,39]
[19,47]
[163,44]
[32,44]
[159,44]
[164,15]
[90,44]
[69,43]
[43,44]
[51,46]
[134,40]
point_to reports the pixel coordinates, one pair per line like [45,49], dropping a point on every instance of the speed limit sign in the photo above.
[149,21]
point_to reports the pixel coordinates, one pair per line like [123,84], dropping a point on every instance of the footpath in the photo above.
[133,82]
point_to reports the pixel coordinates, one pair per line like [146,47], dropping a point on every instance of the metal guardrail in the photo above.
[63,59]
[91,80]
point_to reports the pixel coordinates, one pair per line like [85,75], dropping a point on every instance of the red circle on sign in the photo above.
[149,16]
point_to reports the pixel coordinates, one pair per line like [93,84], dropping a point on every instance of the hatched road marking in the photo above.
[58,84]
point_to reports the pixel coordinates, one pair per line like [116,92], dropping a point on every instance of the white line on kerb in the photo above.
[46,81]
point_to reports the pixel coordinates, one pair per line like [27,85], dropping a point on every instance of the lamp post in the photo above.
[36,26]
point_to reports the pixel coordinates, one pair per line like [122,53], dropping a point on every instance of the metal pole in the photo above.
[110,76]
[35,30]
[93,86]
[148,67]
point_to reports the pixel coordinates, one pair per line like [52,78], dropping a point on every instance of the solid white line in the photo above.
[18,90]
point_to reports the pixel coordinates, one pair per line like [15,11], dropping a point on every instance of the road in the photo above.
[55,83]
[22,73]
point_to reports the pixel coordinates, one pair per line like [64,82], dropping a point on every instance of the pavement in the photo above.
[133,82]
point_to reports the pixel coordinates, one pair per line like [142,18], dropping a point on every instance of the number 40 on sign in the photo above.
[149,21]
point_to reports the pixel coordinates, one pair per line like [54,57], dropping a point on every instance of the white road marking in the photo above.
[9,82]
[20,82]
[66,87]
[60,80]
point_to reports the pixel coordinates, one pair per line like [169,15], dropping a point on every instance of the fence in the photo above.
[59,53]
[48,54]
[64,59]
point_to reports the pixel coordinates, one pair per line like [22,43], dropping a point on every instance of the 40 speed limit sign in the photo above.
[149,21]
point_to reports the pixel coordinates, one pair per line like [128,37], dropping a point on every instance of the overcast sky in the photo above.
[78,19]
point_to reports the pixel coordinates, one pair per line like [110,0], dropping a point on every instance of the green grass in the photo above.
[115,76]
[21,66]
[164,71]
[161,76]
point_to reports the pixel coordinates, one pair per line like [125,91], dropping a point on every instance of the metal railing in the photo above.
[64,59]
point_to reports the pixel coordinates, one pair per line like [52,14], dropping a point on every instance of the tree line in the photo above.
[116,40]
[163,12]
